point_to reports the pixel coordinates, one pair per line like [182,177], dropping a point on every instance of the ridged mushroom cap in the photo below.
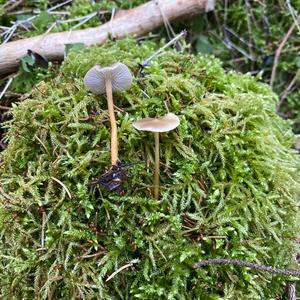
[118,73]
[163,124]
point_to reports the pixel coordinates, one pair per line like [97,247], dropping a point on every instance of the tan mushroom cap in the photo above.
[163,124]
[118,73]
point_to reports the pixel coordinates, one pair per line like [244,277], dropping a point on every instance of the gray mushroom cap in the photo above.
[118,73]
[163,124]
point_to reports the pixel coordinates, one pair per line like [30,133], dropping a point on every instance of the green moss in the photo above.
[255,30]
[228,185]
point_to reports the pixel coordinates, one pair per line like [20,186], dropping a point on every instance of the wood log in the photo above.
[137,21]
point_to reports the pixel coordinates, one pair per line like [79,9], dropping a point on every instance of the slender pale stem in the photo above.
[113,123]
[156,170]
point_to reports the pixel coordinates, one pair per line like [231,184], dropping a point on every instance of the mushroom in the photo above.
[157,125]
[100,80]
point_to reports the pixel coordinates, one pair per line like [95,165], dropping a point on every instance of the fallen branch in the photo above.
[242,263]
[137,21]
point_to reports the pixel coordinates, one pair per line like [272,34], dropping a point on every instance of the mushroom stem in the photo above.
[157,125]
[113,124]
[156,170]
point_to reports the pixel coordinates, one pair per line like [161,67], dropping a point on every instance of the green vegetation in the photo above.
[243,34]
[44,20]
[229,181]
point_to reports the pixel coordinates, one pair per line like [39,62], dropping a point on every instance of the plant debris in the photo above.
[114,178]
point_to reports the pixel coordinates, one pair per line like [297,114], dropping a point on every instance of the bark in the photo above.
[137,21]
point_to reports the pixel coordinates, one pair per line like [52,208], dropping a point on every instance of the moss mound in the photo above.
[228,185]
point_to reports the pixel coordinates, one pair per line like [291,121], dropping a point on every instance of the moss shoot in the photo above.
[228,185]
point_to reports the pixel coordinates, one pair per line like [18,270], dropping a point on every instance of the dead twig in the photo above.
[250,33]
[81,18]
[287,90]
[6,87]
[292,12]
[170,32]
[291,290]
[101,252]
[4,107]
[63,186]
[242,263]
[84,20]
[60,4]
[11,5]
[160,50]
[111,23]
[279,49]
[6,196]
[130,264]
[44,220]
